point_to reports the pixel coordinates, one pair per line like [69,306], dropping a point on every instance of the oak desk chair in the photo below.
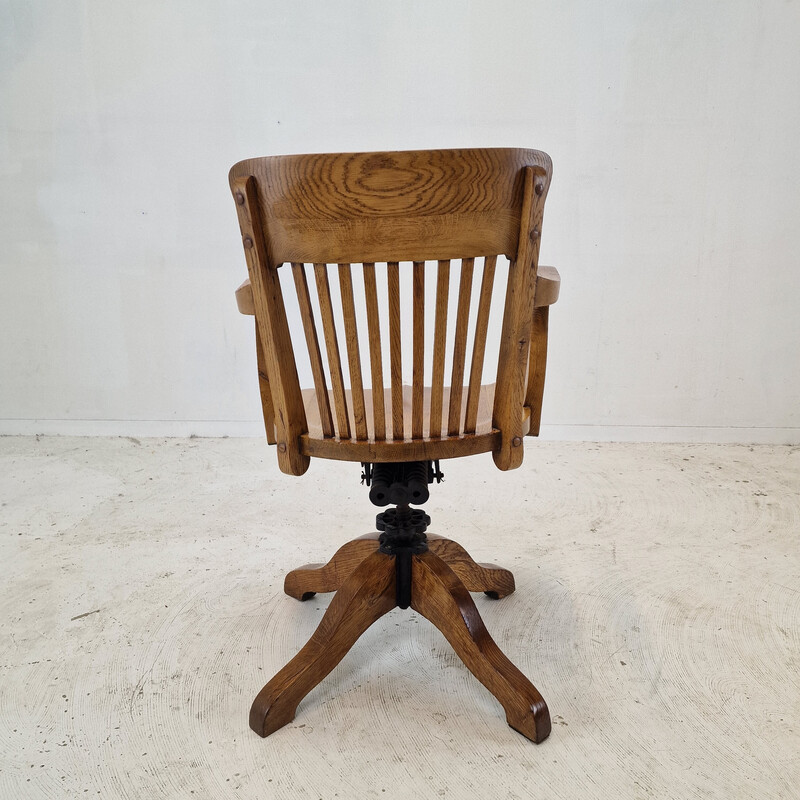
[366,213]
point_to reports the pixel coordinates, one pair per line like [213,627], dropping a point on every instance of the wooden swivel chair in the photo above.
[362,214]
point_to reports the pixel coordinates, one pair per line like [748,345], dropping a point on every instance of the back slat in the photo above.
[312,342]
[395,350]
[460,347]
[353,353]
[332,346]
[375,357]
[479,346]
[439,343]
[418,376]
[407,206]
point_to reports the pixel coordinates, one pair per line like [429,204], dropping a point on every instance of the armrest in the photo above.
[548,284]
[244,298]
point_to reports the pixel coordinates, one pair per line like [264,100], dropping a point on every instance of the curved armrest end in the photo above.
[548,284]
[244,299]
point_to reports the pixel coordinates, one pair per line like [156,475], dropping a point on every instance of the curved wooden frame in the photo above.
[402,206]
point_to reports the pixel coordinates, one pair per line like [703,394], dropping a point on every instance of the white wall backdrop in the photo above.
[674,214]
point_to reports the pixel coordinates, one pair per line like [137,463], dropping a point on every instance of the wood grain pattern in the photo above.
[537,363]
[460,346]
[353,352]
[483,422]
[418,351]
[440,597]
[365,597]
[375,355]
[439,346]
[266,395]
[547,290]
[479,344]
[395,350]
[548,285]
[332,347]
[417,206]
[486,438]
[312,344]
[276,345]
[304,582]
[495,581]
[403,206]
[423,449]
[517,320]
[365,593]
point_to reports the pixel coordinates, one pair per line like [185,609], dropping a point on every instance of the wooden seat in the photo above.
[392,259]
[548,284]
[427,447]
[483,419]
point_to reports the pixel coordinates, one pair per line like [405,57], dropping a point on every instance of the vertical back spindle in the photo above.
[418,344]
[332,346]
[460,347]
[439,343]
[375,357]
[479,346]
[395,350]
[312,343]
[353,353]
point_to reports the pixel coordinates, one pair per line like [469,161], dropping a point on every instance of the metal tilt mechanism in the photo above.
[402,527]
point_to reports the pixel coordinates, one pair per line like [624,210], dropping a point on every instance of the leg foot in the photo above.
[439,595]
[366,595]
[304,582]
[490,579]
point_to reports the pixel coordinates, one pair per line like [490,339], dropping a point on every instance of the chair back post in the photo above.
[273,328]
[509,400]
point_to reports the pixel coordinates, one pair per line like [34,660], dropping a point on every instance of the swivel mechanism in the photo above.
[402,528]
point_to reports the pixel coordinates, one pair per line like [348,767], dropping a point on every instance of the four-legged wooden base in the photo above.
[364,581]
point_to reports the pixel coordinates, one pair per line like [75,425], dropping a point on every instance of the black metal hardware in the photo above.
[399,483]
[402,528]
[400,521]
[366,474]
[403,535]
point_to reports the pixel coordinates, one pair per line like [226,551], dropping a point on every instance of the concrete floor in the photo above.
[657,610]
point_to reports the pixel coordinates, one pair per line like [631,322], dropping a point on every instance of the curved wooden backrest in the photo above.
[411,206]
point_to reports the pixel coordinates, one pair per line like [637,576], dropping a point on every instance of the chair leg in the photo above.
[490,579]
[439,595]
[304,582]
[366,595]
